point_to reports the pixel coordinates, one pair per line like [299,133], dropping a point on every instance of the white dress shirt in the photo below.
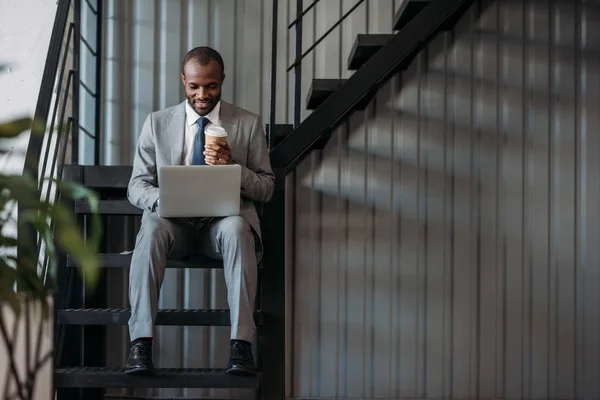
[191,116]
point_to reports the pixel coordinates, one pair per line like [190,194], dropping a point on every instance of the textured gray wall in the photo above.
[143,47]
[145,41]
[447,237]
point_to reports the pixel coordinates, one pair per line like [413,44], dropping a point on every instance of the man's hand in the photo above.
[217,153]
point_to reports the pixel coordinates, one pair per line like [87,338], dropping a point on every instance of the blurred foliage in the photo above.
[22,274]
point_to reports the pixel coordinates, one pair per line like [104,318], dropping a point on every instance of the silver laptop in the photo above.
[199,190]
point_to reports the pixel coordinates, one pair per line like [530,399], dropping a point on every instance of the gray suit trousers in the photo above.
[230,239]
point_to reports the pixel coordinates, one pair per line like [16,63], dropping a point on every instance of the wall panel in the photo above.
[470,200]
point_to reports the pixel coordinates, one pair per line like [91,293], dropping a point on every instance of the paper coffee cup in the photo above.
[214,132]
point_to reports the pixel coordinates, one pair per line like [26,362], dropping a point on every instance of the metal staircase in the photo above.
[377,58]
[113,180]
[81,318]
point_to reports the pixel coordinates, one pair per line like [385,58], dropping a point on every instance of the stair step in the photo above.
[120,316]
[321,89]
[280,132]
[118,176]
[99,377]
[99,176]
[108,207]
[407,11]
[364,47]
[118,260]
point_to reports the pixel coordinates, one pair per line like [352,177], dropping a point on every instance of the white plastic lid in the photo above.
[215,131]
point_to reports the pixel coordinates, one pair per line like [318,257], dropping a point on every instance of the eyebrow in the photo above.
[208,84]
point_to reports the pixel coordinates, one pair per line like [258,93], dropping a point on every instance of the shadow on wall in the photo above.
[442,234]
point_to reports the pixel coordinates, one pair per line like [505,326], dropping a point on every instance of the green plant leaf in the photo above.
[41,223]
[76,191]
[6,241]
[56,226]
[22,189]
[70,240]
[16,127]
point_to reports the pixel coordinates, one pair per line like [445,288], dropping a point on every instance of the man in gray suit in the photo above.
[175,136]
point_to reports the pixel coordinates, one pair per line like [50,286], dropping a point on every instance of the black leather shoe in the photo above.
[240,359]
[140,358]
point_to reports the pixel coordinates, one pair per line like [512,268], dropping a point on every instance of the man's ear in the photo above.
[223,77]
[183,79]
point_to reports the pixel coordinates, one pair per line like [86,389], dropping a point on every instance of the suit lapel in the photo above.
[176,133]
[228,121]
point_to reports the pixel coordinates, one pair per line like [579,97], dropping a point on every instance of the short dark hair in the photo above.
[203,55]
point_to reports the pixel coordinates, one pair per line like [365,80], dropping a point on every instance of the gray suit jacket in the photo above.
[161,143]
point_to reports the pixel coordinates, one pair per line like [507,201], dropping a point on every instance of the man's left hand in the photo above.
[217,153]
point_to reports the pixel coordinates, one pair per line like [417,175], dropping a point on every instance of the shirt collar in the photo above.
[192,116]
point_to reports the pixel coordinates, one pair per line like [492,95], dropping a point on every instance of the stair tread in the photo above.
[365,46]
[407,12]
[99,176]
[102,177]
[123,260]
[164,317]
[110,207]
[380,68]
[320,89]
[163,378]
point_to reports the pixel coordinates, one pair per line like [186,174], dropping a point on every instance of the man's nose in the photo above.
[201,94]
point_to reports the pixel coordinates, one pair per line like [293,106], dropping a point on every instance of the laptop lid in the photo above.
[199,190]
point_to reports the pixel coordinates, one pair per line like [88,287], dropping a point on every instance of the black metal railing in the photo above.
[57,122]
[57,109]
[299,55]
[395,55]
[48,142]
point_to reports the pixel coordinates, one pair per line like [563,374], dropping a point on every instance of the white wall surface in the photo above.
[25,28]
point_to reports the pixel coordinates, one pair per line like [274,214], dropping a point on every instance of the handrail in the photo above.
[46,132]
[92,9]
[299,55]
[42,108]
[302,14]
[56,117]
[374,73]
[319,40]
[52,124]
